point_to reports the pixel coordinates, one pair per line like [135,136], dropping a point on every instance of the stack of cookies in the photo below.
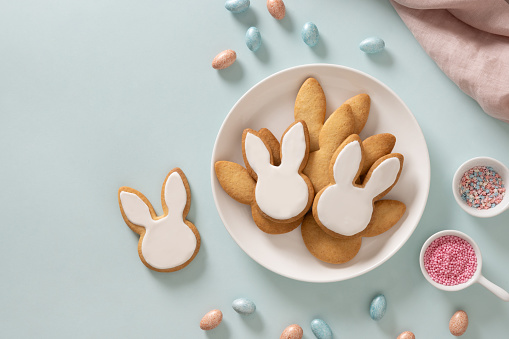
[321,176]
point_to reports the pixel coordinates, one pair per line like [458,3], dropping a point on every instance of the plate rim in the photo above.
[346,68]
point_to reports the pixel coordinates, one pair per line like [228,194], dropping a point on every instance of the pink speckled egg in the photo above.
[224,59]
[458,323]
[292,332]
[276,8]
[406,335]
[211,320]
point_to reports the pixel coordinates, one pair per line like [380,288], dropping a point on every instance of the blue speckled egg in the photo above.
[253,39]
[378,307]
[320,329]
[372,45]
[244,306]
[310,34]
[237,6]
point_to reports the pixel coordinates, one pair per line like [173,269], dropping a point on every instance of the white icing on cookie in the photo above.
[168,242]
[281,193]
[344,208]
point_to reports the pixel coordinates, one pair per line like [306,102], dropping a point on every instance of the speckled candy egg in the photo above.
[237,6]
[310,34]
[292,332]
[378,307]
[253,39]
[211,320]
[244,306]
[276,8]
[458,323]
[224,59]
[372,45]
[320,329]
[406,335]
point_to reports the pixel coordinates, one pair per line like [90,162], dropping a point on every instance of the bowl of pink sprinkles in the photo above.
[479,187]
[451,261]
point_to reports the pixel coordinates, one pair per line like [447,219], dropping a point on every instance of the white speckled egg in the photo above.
[321,329]
[372,45]
[244,306]
[378,307]
[224,59]
[276,8]
[406,335]
[237,6]
[211,320]
[253,39]
[292,332]
[310,34]
[458,323]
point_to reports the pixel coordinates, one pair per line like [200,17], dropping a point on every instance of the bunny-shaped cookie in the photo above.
[282,193]
[169,242]
[344,208]
[238,183]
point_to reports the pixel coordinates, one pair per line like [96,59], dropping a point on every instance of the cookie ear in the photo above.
[347,161]
[360,105]
[271,141]
[294,145]
[256,154]
[134,209]
[310,106]
[175,193]
[236,181]
[386,213]
[383,175]
[337,128]
[375,147]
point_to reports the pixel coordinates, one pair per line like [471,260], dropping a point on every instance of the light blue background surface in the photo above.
[99,94]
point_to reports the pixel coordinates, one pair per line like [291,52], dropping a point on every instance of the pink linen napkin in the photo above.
[469,41]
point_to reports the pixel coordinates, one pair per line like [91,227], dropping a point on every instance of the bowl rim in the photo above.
[499,167]
[215,184]
[463,236]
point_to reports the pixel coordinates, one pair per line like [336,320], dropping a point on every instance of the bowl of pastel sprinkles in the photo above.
[479,187]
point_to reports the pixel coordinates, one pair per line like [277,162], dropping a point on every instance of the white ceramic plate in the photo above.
[270,104]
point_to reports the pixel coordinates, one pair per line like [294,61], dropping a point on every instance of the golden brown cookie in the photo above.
[386,213]
[273,144]
[375,147]
[360,105]
[349,118]
[334,250]
[166,244]
[326,248]
[310,106]
[336,129]
[344,208]
[238,184]
[282,193]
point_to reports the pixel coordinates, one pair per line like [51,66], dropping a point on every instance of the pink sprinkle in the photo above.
[450,260]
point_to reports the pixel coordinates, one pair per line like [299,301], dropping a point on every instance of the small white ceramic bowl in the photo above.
[476,278]
[499,167]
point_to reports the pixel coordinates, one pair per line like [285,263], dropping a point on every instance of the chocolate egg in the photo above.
[320,329]
[276,8]
[244,306]
[406,335]
[378,307]
[292,332]
[224,59]
[310,34]
[253,39]
[237,6]
[458,323]
[211,320]
[372,45]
